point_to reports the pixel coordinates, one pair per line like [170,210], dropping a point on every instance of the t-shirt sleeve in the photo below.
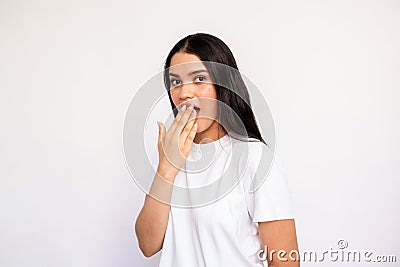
[266,189]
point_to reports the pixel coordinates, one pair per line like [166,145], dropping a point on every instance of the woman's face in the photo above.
[190,83]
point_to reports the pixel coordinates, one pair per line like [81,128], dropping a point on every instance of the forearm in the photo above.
[152,221]
[173,148]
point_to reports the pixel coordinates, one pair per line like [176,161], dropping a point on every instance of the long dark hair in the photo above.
[210,49]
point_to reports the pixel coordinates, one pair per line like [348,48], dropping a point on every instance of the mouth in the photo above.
[197,109]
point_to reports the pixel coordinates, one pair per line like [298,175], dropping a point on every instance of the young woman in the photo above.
[227,229]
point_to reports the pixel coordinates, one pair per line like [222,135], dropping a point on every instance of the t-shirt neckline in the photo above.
[222,142]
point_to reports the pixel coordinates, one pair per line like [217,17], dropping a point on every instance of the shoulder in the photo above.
[254,151]
[262,161]
[254,160]
[252,144]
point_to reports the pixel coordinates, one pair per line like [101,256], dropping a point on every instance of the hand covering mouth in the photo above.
[188,105]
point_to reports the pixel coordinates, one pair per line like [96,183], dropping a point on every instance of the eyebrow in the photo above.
[190,74]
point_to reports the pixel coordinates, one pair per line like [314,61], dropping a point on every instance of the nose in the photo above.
[187,90]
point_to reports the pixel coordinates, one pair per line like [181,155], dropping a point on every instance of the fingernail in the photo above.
[191,107]
[183,107]
[194,112]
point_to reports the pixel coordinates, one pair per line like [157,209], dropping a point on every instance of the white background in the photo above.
[330,71]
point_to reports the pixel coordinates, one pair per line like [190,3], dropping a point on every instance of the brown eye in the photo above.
[175,82]
[199,79]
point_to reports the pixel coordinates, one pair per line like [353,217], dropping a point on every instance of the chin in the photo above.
[203,125]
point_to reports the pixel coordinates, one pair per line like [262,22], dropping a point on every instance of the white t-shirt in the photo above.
[215,224]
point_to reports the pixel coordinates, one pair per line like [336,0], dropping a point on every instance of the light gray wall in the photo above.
[330,71]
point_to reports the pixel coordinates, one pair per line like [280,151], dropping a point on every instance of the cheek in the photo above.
[209,108]
[208,96]
[208,90]
[174,97]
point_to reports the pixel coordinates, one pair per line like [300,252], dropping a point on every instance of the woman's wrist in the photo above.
[167,173]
